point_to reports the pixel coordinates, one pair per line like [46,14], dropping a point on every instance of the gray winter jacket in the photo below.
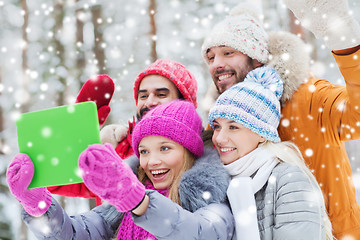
[199,217]
[287,208]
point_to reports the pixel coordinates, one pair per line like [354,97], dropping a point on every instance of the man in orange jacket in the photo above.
[316,115]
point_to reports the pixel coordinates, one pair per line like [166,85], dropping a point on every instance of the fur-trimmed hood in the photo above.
[206,182]
[290,57]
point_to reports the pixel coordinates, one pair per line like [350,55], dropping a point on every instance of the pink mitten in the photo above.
[105,174]
[100,90]
[19,174]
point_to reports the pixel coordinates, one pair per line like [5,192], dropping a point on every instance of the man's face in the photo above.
[154,90]
[228,66]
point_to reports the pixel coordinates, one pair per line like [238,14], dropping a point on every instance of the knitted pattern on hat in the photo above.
[177,120]
[253,103]
[183,79]
[242,31]
[129,230]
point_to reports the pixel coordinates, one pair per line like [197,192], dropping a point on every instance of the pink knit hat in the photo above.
[175,72]
[176,120]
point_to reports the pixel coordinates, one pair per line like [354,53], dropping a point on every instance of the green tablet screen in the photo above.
[54,138]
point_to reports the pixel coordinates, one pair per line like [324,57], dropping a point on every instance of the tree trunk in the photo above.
[80,57]
[5,229]
[60,49]
[152,33]
[25,79]
[98,49]
[24,107]
[2,140]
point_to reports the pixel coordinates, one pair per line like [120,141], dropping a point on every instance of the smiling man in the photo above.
[236,69]
[316,115]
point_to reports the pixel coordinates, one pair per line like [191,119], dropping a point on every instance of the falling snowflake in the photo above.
[40,157]
[55,161]
[312,88]
[348,237]
[42,204]
[79,172]
[206,195]
[46,132]
[309,152]
[285,122]
[70,109]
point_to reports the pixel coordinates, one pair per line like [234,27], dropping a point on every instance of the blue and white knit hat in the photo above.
[254,103]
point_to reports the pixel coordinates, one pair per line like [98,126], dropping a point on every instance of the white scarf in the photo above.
[242,189]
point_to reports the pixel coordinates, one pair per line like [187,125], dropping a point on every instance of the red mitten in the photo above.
[124,148]
[100,90]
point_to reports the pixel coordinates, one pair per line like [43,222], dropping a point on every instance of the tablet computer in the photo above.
[54,138]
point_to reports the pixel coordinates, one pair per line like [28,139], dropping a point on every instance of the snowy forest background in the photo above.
[48,49]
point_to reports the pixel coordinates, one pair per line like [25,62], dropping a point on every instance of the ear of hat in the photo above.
[254,103]
[183,79]
[177,120]
[241,30]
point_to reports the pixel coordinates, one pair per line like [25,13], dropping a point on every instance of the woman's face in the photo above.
[232,140]
[162,159]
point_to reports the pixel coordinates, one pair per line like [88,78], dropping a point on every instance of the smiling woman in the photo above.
[266,174]
[162,160]
[181,193]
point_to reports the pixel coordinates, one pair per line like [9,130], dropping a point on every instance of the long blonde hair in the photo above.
[288,152]
[188,162]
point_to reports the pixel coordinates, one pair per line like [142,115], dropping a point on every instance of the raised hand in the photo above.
[113,134]
[100,90]
[105,174]
[328,20]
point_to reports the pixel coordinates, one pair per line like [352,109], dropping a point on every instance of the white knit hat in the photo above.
[242,31]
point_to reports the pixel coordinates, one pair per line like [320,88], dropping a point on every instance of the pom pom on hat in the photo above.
[247,8]
[254,103]
[242,31]
[268,78]
[177,120]
[183,79]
